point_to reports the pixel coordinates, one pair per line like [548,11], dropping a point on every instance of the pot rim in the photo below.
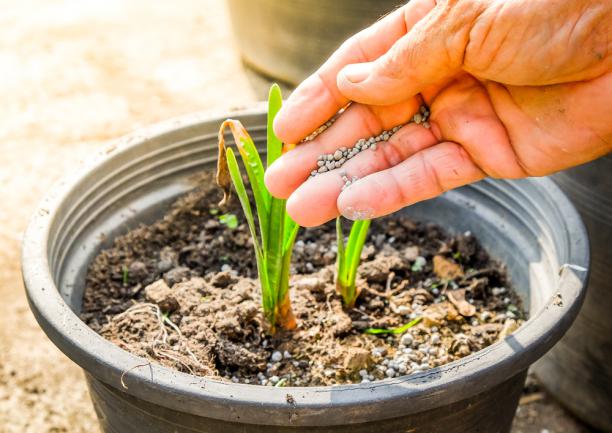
[323,405]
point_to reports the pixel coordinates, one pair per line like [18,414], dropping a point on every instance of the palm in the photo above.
[480,126]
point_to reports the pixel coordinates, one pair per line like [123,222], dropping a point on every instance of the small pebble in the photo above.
[274,380]
[435,339]
[287,355]
[407,339]
[363,373]
[276,356]
[390,372]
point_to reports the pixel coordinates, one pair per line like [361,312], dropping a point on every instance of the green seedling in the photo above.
[125,275]
[399,330]
[418,264]
[277,231]
[348,259]
[229,219]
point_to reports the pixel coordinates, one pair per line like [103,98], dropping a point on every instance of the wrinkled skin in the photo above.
[516,88]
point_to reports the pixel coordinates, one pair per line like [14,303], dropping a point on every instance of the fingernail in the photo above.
[358,72]
[355,214]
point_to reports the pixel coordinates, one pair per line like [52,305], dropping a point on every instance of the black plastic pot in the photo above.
[528,224]
[288,40]
[578,371]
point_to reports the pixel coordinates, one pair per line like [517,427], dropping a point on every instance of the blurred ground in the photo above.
[74,74]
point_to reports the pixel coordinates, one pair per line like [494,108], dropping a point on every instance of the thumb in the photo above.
[431,52]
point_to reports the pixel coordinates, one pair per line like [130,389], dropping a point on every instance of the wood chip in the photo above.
[436,313]
[457,297]
[446,269]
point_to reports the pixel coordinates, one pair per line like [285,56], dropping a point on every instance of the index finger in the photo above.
[317,99]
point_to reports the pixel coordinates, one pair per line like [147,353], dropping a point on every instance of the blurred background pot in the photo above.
[528,224]
[288,40]
[578,371]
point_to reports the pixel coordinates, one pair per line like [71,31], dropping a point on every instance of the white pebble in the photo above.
[390,372]
[407,339]
[276,356]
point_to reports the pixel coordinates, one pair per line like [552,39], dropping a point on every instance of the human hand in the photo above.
[516,88]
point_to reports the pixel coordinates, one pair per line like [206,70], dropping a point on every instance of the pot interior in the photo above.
[517,222]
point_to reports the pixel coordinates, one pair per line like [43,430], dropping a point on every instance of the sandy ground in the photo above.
[75,74]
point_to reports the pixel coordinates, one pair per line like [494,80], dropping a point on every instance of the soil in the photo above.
[183,292]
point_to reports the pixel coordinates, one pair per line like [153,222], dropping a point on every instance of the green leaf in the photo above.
[357,238]
[255,172]
[274,249]
[286,265]
[229,219]
[275,146]
[125,275]
[291,229]
[341,257]
[399,330]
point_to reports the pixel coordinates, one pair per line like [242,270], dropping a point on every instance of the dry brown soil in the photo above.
[74,75]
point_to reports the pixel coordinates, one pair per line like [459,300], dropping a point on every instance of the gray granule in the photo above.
[335,160]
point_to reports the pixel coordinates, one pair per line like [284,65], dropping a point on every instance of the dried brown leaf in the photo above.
[436,313]
[446,269]
[457,297]
[223,178]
